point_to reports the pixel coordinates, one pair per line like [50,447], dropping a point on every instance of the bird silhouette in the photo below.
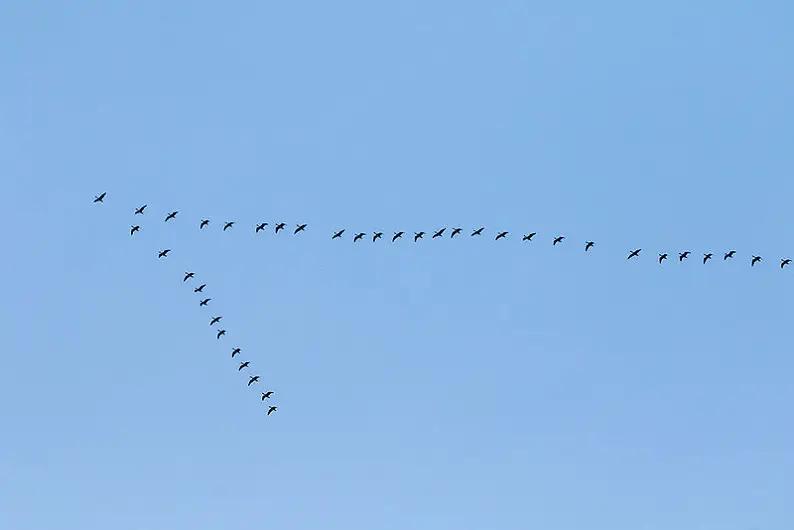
[139,211]
[438,233]
[376,236]
[588,245]
[300,228]
[729,254]
[529,236]
[358,237]
[418,236]
[100,197]
[271,410]
[171,215]
[215,320]
[558,239]
[662,257]
[200,288]
[163,253]
[338,234]
[707,257]
[455,231]
[235,352]
[228,225]
[188,275]
[683,255]
[253,379]
[280,226]
[755,260]
[204,222]
[266,395]
[135,228]
[501,235]
[634,253]
[397,235]
[243,365]
[205,302]
[478,232]
[221,333]
[260,227]
[785,262]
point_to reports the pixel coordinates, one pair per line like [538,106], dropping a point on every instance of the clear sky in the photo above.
[451,384]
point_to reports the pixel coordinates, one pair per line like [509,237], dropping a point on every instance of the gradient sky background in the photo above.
[462,384]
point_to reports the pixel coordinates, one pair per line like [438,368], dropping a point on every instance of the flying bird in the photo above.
[729,254]
[266,395]
[100,197]
[418,236]
[163,253]
[683,255]
[707,257]
[338,234]
[558,239]
[634,253]
[200,288]
[397,235]
[300,228]
[260,227]
[221,333]
[280,226]
[455,231]
[755,260]
[501,235]
[205,301]
[376,236]
[438,233]
[478,232]
[271,410]
[171,215]
[358,237]
[235,352]
[243,365]
[253,379]
[529,236]
[228,225]
[188,275]
[204,222]
[136,228]
[785,262]
[662,257]
[215,320]
[139,211]
[588,245]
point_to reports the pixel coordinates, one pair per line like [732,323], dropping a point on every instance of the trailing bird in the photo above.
[707,257]
[260,227]
[171,215]
[501,235]
[478,232]
[215,320]
[271,410]
[100,197]
[529,236]
[588,245]
[136,228]
[204,222]
[200,288]
[662,257]
[455,231]
[634,253]
[205,301]
[221,333]
[358,237]
[266,395]
[755,260]
[785,262]
[376,236]
[243,365]
[280,226]
[139,211]
[253,379]
[558,239]
[418,236]
[438,233]
[683,255]
[235,352]
[188,275]
[228,225]
[163,253]
[729,254]
[300,228]
[397,235]
[338,234]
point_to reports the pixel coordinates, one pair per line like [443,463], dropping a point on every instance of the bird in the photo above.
[135,228]
[204,222]
[397,235]
[683,255]
[300,228]
[171,215]
[253,379]
[260,227]
[228,225]
[266,395]
[100,197]
[755,260]
[785,262]
[205,301]
[529,236]
[235,352]
[376,236]
[215,320]
[501,235]
[588,245]
[729,254]
[221,333]
[634,253]
[271,410]
[558,239]
[243,365]
[188,275]
[163,253]
[280,226]
[338,234]
[455,231]
[200,288]
[478,232]
[418,236]
[139,211]
[707,257]
[438,233]
[662,257]
[358,237]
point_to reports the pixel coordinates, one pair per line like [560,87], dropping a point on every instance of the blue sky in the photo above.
[445,385]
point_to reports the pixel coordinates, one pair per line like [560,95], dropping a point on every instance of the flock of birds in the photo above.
[204,301]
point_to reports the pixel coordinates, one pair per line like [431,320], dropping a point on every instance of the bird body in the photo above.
[729,254]
[171,215]
[271,410]
[205,302]
[785,262]
[300,228]
[228,225]
[529,236]
[188,275]
[438,233]
[253,379]
[338,234]
[139,211]
[418,236]
[280,226]
[135,228]
[634,253]
[662,257]
[558,239]
[683,255]
[221,333]
[215,320]
[235,352]
[100,197]
[478,232]
[204,222]
[707,257]
[163,253]
[358,237]
[266,395]
[588,245]
[243,365]
[200,288]
[501,235]
[376,236]
[260,227]
[755,260]
[455,231]
[397,235]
